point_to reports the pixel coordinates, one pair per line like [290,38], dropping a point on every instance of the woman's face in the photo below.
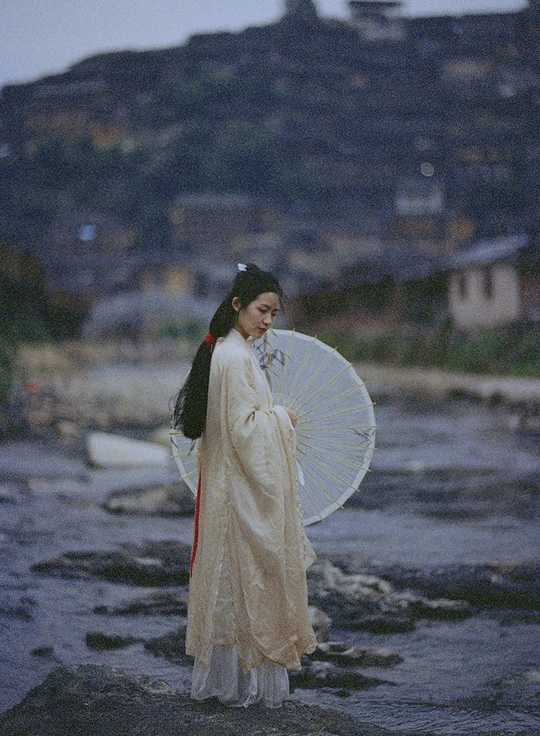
[258,316]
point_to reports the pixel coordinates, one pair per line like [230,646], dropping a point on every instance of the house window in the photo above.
[87,232]
[488,283]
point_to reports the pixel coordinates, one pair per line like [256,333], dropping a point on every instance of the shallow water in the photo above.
[451,483]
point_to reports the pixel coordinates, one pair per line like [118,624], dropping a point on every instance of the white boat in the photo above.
[108,450]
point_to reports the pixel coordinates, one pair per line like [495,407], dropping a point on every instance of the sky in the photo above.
[39,37]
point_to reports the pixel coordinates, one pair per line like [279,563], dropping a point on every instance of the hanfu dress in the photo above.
[248,618]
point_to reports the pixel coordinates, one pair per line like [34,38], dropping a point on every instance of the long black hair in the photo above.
[189,413]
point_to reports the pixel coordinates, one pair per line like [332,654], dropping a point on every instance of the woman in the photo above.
[247,615]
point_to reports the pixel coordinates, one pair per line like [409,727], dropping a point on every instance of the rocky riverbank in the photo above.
[340,601]
[425,594]
[394,600]
[346,599]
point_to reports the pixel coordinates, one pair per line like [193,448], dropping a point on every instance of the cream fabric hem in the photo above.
[224,679]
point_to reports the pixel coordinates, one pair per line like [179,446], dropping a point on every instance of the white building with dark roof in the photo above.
[495,283]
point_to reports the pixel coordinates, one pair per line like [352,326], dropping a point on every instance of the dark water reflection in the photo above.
[451,483]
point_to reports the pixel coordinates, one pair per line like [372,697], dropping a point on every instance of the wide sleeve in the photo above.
[256,429]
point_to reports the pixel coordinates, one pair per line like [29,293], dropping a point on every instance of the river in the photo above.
[451,482]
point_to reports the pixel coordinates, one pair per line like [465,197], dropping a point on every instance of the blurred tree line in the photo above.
[503,351]
[29,313]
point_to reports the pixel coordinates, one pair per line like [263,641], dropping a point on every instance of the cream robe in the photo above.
[248,585]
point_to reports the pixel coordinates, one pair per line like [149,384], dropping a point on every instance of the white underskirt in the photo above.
[224,679]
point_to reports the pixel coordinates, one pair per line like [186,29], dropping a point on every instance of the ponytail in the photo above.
[191,403]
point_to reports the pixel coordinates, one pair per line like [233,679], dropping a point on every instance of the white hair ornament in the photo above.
[242,267]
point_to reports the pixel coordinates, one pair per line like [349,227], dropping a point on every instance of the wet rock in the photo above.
[99,701]
[443,608]
[159,603]
[368,602]
[159,500]
[382,624]
[68,430]
[102,642]
[318,674]
[44,651]
[344,655]
[61,488]
[517,690]
[21,611]
[532,675]
[494,585]
[171,646]
[320,621]
[519,617]
[155,564]
[162,436]
[8,494]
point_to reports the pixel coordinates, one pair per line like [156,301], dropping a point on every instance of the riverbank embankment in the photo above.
[79,386]
[391,381]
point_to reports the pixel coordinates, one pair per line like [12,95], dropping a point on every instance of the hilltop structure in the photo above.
[378,20]
[300,9]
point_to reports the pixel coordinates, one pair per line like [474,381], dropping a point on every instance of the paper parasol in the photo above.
[335,433]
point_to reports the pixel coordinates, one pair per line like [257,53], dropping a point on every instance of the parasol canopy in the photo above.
[335,432]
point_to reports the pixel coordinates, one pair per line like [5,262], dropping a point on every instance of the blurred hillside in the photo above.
[404,132]
[386,168]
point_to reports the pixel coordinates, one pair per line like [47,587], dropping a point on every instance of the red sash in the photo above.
[196,528]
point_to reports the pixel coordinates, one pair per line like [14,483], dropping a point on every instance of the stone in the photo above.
[159,500]
[65,487]
[68,430]
[320,621]
[382,624]
[162,436]
[444,608]
[8,494]
[343,655]
[101,642]
[100,701]
[158,603]
[317,674]
[368,602]
[495,584]
[20,611]
[44,651]
[155,564]
[171,646]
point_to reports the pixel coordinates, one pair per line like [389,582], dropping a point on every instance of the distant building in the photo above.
[213,223]
[300,9]
[90,254]
[139,314]
[495,283]
[377,20]
[166,273]
[419,198]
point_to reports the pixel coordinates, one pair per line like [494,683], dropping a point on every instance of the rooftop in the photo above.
[489,251]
